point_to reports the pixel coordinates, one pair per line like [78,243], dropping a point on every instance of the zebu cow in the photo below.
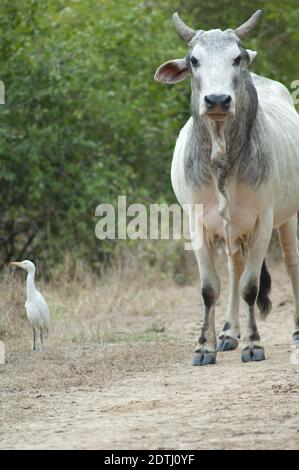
[238,155]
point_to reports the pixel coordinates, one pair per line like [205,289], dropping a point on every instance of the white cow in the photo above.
[238,155]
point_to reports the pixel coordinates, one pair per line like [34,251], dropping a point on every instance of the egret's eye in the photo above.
[237,60]
[194,61]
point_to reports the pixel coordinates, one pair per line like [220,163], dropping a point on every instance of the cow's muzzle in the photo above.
[218,107]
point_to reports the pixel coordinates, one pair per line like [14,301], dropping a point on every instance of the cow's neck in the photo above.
[228,145]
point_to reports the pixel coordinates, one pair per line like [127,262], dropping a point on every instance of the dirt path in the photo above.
[171,404]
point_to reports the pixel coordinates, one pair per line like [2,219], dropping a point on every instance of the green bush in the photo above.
[84,120]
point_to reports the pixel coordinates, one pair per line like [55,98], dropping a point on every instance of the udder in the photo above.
[242,221]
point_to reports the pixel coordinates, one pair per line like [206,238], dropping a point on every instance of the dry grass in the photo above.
[102,327]
[117,369]
[12,312]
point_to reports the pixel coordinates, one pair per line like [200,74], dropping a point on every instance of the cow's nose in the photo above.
[223,101]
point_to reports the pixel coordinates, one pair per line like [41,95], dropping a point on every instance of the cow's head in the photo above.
[216,63]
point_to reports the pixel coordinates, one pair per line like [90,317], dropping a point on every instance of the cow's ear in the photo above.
[173,71]
[252,55]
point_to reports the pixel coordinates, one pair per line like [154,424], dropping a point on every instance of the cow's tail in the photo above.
[263,301]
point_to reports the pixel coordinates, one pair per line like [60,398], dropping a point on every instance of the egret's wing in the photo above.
[32,313]
[41,310]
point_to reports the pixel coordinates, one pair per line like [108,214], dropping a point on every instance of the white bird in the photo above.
[36,307]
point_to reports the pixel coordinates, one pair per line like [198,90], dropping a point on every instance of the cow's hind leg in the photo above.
[250,285]
[289,244]
[230,335]
[205,352]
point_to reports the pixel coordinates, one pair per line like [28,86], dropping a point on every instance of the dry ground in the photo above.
[117,371]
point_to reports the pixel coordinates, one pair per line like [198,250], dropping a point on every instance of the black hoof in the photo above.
[296,338]
[204,358]
[227,343]
[253,353]
[246,355]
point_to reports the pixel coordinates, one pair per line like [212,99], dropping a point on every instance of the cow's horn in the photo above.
[242,30]
[182,29]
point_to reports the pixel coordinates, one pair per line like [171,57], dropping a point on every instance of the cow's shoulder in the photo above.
[271,88]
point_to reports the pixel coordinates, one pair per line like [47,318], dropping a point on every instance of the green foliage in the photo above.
[84,120]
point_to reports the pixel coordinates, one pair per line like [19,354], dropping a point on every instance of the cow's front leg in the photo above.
[249,285]
[230,335]
[205,352]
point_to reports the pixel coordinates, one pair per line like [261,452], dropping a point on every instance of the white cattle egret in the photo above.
[36,307]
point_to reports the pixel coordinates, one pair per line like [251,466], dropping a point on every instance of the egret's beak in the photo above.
[17,263]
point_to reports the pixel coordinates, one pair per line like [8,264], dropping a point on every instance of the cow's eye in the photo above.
[194,61]
[237,60]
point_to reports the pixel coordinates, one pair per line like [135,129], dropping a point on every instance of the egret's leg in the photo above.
[42,347]
[34,337]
